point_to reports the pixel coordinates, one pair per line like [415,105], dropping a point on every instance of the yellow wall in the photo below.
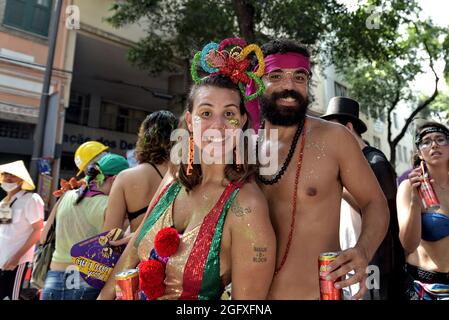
[93,12]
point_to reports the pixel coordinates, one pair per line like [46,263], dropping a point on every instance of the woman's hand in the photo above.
[416,178]
[123,241]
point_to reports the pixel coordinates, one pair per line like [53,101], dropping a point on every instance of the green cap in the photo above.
[112,164]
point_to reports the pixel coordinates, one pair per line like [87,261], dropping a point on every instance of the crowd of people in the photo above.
[228,224]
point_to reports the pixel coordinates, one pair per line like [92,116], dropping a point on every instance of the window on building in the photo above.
[120,118]
[399,152]
[29,15]
[376,142]
[340,90]
[78,110]
[395,120]
[16,130]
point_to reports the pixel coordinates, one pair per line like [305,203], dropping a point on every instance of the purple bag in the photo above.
[96,258]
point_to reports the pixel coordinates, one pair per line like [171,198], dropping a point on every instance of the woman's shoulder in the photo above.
[249,199]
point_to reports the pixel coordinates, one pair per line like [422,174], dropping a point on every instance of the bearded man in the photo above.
[317,159]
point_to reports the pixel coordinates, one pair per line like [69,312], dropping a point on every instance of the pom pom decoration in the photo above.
[151,278]
[152,293]
[214,59]
[166,242]
[151,273]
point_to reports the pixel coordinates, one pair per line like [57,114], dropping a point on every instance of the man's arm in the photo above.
[13,262]
[358,178]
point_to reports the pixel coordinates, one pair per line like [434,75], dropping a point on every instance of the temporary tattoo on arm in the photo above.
[238,210]
[259,254]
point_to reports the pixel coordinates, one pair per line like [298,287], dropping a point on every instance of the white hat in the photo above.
[18,169]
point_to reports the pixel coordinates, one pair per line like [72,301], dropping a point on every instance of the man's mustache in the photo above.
[287,94]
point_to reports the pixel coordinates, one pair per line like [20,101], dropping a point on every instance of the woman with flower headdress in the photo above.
[424,217]
[79,215]
[134,188]
[208,224]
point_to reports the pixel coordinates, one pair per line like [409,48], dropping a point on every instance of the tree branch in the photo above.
[426,102]
[245,15]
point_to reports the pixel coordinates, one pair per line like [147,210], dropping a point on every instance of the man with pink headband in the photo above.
[317,159]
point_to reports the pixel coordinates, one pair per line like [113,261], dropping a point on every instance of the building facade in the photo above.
[96,94]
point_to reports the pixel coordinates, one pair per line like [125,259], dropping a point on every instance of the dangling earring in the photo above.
[191,156]
[238,161]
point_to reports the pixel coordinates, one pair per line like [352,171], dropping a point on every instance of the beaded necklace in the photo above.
[295,198]
[284,167]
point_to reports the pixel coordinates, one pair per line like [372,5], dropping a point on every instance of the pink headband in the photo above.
[272,62]
[286,61]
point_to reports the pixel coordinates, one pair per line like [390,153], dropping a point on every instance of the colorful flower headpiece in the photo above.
[216,59]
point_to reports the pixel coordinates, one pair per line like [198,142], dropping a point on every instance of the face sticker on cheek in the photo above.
[234,122]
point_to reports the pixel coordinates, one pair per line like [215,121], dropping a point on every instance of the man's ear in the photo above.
[188,120]
[350,126]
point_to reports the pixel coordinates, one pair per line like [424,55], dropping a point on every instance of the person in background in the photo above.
[134,188]
[87,153]
[424,232]
[79,215]
[21,222]
[389,257]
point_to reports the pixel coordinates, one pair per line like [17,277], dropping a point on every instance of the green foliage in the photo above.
[177,28]
[380,48]
[438,109]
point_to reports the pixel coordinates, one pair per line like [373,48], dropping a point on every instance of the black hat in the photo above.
[345,109]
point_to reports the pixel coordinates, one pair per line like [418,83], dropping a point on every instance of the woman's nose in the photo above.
[219,123]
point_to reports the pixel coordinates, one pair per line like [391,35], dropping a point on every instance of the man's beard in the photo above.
[282,115]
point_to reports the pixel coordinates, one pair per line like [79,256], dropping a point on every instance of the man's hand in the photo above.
[353,259]
[12,263]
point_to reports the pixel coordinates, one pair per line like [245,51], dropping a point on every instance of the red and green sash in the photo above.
[201,279]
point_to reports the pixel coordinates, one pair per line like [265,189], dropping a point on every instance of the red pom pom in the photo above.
[151,273]
[166,242]
[153,293]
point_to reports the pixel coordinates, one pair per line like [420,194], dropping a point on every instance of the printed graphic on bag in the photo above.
[96,258]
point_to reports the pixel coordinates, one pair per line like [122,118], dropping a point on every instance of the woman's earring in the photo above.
[191,156]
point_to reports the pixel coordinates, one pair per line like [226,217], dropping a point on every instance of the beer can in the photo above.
[428,196]
[327,289]
[127,285]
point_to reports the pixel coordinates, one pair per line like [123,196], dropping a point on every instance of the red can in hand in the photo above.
[327,289]
[428,196]
[127,285]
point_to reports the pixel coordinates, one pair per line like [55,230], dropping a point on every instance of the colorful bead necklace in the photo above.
[295,198]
